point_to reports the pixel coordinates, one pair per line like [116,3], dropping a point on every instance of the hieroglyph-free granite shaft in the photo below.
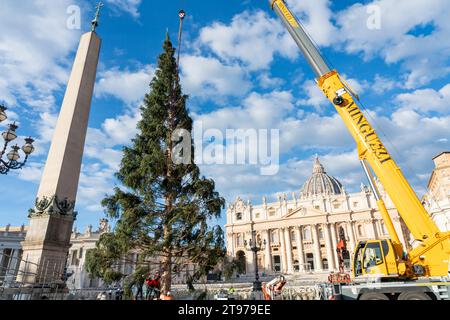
[46,245]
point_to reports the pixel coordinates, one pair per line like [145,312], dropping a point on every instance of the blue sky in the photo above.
[241,70]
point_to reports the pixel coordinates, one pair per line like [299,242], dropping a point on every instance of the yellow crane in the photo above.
[419,273]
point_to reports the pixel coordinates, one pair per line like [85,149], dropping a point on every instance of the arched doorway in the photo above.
[240,255]
[341,233]
[296,266]
[310,261]
[346,254]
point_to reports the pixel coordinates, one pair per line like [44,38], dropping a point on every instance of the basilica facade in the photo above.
[437,198]
[300,233]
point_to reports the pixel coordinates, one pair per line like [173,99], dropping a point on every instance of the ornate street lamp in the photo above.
[3,116]
[12,158]
[255,245]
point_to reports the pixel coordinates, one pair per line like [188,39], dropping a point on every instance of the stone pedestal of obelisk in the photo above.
[47,242]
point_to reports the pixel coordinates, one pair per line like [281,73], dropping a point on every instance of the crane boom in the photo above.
[372,150]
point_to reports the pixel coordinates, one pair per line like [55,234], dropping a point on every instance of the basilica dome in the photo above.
[320,183]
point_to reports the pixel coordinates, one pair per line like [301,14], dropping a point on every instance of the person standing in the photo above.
[139,284]
[154,286]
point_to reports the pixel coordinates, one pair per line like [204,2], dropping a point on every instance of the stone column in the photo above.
[317,254]
[287,238]
[230,244]
[351,235]
[282,251]
[329,247]
[51,221]
[267,255]
[250,258]
[374,228]
[334,240]
[300,253]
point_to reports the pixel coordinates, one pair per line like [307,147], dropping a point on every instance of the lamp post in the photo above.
[12,158]
[255,245]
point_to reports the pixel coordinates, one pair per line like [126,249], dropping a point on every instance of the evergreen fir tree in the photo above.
[164,208]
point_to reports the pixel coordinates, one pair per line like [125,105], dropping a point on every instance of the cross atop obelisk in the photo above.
[47,242]
[94,23]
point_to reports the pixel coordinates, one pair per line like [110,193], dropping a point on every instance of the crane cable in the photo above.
[397,153]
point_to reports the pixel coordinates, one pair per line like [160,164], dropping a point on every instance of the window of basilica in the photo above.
[239,240]
[361,232]
[293,236]
[321,234]
[307,234]
[274,237]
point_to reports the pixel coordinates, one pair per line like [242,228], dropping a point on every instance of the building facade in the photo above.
[10,252]
[301,233]
[11,255]
[437,198]
[81,244]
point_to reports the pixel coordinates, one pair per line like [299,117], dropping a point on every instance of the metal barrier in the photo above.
[15,272]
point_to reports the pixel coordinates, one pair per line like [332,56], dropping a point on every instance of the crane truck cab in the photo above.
[375,257]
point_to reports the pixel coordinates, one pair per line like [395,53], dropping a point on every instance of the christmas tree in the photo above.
[165,207]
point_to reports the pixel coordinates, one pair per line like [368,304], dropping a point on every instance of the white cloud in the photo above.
[316,16]
[329,136]
[263,111]
[122,128]
[314,132]
[129,6]
[276,110]
[32,172]
[208,78]
[45,128]
[314,96]
[252,39]
[266,81]
[383,84]
[413,139]
[95,183]
[423,57]
[249,184]
[426,100]
[125,85]
[107,156]
[359,86]
[34,55]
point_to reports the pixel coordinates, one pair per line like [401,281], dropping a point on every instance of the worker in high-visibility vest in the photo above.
[167,296]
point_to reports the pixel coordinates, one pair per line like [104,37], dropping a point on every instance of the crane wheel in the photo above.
[414,296]
[373,296]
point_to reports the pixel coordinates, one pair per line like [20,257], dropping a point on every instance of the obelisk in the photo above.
[47,243]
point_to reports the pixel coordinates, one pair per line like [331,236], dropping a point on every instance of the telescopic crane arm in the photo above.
[435,246]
